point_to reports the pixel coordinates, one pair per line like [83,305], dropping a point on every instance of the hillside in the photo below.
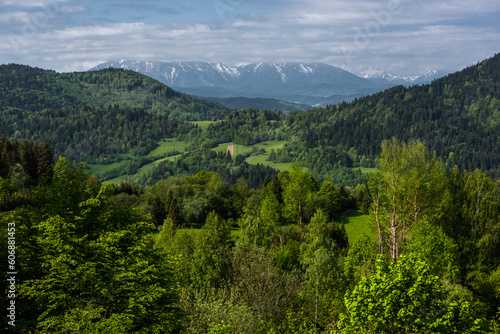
[304,83]
[259,103]
[95,117]
[456,116]
[34,89]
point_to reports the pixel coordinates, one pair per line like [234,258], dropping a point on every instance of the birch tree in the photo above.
[410,187]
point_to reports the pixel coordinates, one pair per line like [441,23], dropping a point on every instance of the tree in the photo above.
[431,245]
[403,297]
[297,195]
[172,211]
[259,284]
[109,249]
[270,217]
[212,257]
[328,198]
[324,276]
[159,211]
[409,188]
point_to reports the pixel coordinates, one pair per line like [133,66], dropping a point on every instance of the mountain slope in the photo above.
[390,80]
[457,116]
[307,83]
[97,116]
[35,89]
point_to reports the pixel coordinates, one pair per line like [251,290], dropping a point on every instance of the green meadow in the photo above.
[356,225]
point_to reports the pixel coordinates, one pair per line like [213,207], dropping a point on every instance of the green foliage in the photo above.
[212,257]
[295,322]
[410,188]
[36,89]
[259,284]
[166,237]
[221,316]
[403,296]
[190,163]
[324,277]
[86,261]
[297,195]
[431,245]
[360,260]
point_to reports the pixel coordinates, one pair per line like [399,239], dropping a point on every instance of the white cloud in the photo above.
[31,3]
[14,17]
[399,36]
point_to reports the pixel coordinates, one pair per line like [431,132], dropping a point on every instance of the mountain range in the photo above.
[313,84]
[122,123]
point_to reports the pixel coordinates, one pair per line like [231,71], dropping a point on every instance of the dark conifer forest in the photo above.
[127,207]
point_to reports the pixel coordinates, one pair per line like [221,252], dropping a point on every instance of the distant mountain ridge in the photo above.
[391,79]
[305,83]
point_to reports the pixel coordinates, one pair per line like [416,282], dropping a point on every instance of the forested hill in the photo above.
[117,116]
[456,116]
[35,89]
[95,116]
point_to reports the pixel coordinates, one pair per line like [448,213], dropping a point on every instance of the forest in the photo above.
[199,240]
[115,119]
[195,254]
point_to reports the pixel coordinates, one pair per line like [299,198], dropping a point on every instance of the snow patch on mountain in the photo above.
[426,77]
[307,83]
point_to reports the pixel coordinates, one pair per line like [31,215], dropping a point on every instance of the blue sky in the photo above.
[397,36]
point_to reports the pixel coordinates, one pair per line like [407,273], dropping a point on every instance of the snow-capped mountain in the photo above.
[390,79]
[306,83]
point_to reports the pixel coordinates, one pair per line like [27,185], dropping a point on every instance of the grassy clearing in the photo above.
[101,169]
[271,145]
[166,146]
[356,225]
[238,149]
[262,159]
[155,163]
[117,180]
[203,125]
[365,170]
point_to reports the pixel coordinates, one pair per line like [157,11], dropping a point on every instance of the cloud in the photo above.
[14,17]
[31,3]
[401,36]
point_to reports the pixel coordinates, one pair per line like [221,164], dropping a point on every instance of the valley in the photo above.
[138,208]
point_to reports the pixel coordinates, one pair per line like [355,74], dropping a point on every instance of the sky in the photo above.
[405,37]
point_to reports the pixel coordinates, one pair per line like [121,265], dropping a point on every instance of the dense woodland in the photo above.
[208,243]
[100,117]
[457,116]
[233,259]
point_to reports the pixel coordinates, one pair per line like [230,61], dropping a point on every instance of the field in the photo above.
[356,225]
[258,158]
[169,145]
[100,169]
[202,124]
[165,147]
